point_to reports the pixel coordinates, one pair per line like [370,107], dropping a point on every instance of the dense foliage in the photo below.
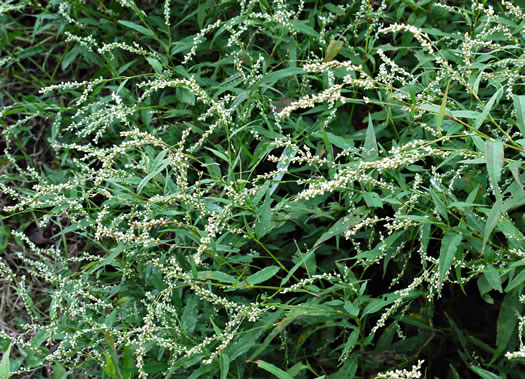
[243,188]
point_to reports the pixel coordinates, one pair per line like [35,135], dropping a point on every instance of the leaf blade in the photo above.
[334,47]
[449,246]
[442,109]
[273,370]
[494,156]
[138,28]
[5,364]
[263,275]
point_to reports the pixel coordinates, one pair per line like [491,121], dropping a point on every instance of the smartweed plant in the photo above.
[244,188]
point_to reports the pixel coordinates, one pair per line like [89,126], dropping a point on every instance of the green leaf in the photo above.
[59,371]
[201,371]
[517,200]
[273,370]
[281,325]
[440,204]
[5,364]
[297,265]
[516,281]
[296,369]
[185,96]
[115,252]
[302,27]
[442,109]
[464,204]
[262,227]
[493,278]
[488,107]
[332,50]
[378,304]
[351,342]
[339,227]
[351,308]
[484,374]
[266,5]
[155,63]
[514,167]
[372,200]
[216,275]
[158,166]
[280,74]
[519,105]
[190,314]
[507,322]
[137,28]
[289,153]
[335,9]
[370,145]
[454,372]
[5,234]
[494,156]
[492,221]
[449,246]
[224,362]
[128,362]
[113,355]
[263,275]
[70,56]
[110,367]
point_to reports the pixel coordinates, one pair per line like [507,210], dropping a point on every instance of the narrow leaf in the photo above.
[484,374]
[151,175]
[519,105]
[339,227]
[507,322]
[216,275]
[449,246]
[514,169]
[262,227]
[289,153]
[297,265]
[137,28]
[263,275]
[280,74]
[273,370]
[5,364]
[332,50]
[493,278]
[486,110]
[494,156]
[492,221]
[370,144]
[225,365]
[442,109]
[516,281]
[110,367]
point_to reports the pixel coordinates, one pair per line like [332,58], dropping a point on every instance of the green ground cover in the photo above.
[254,189]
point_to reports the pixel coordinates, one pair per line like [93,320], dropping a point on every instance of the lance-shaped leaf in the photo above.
[494,156]
[334,47]
[449,246]
[519,105]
